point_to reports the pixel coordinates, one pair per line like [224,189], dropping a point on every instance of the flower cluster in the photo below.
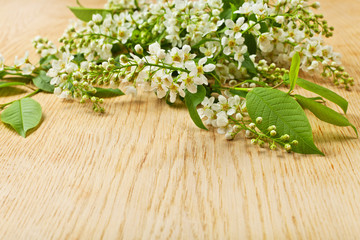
[167,73]
[174,48]
[222,114]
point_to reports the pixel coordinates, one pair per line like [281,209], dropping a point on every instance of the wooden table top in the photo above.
[143,170]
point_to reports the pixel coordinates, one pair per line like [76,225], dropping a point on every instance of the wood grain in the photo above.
[144,171]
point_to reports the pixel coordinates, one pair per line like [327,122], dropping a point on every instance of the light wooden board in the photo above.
[144,171]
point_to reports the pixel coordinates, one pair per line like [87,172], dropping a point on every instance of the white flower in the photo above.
[239,55]
[187,81]
[197,71]
[264,42]
[231,44]
[27,69]
[260,9]
[130,90]
[222,119]
[246,8]
[209,49]
[280,19]
[185,53]
[57,91]
[97,18]
[19,62]
[234,28]
[155,49]
[124,34]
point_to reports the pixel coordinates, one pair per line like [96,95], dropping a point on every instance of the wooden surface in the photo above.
[144,171]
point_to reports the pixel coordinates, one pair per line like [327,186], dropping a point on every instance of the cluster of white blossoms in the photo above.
[176,47]
[223,114]
[21,67]
[164,72]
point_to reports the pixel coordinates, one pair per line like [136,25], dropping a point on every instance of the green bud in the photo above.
[285,137]
[259,120]
[273,127]
[273,133]
[287,147]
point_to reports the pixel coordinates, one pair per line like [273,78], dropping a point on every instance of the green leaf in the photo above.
[43,82]
[229,6]
[264,27]
[294,70]
[280,109]
[85,14]
[2,74]
[250,42]
[107,92]
[324,92]
[239,92]
[22,115]
[45,62]
[249,65]
[9,84]
[324,113]
[191,101]
[79,58]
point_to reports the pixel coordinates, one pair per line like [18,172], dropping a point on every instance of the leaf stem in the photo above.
[29,95]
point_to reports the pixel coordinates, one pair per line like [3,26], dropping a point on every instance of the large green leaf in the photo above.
[294,70]
[43,82]
[324,92]
[324,113]
[9,84]
[107,92]
[279,109]
[192,100]
[85,14]
[22,115]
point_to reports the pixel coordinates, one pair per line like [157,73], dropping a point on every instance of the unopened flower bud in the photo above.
[259,120]
[273,133]
[285,137]
[287,147]
[139,49]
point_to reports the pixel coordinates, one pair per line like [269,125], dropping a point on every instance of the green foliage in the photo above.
[229,7]
[250,42]
[9,84]
[324,92]
[85,14]
[324,113]
[45,62]
[249,65]
[240,93]
[107,92]
[79,58]
[294,71]
[192,100]
[22,115]
[280,109]
[2,74]
[42,81]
